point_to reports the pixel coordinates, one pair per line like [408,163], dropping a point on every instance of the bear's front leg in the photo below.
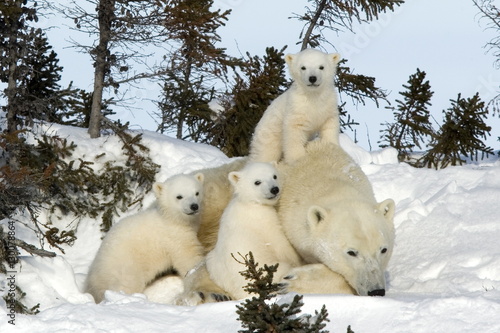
[199,288]
[330,130]
[315,279]
[295,137]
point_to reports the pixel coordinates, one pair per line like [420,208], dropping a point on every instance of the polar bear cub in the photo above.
[307,109]
[250,223]
[144,246]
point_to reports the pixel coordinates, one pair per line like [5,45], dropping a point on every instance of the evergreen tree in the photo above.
[259,315]
[194,66]
[123,29]
[460,135]
[15,35]
[337,15]
[261,81]
[412,117]
[79,108]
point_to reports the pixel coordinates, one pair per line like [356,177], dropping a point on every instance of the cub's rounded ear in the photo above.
[316,215]
[200,177]
[336,58]
[234,177]
[388,208]
[289,58]
[158,189]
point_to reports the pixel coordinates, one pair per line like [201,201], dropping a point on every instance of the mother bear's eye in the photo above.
[384,250]
[352,253]
[258,182]
[179,197]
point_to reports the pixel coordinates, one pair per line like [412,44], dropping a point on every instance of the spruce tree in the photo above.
[260,82]
[412,118]
[259,315]
[15,35]
[194,66]
[460,135]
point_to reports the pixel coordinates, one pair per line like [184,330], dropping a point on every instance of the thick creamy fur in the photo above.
[140,247]
[331,217]
[305,110]
[250,224]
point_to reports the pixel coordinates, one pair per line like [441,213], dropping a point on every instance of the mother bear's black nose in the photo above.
[377,292]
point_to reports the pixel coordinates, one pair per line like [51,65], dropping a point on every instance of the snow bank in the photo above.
[444,275]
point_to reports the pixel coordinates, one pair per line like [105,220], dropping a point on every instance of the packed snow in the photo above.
[444,275]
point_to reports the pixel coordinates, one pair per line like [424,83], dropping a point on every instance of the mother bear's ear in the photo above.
[316,215]
[387,208]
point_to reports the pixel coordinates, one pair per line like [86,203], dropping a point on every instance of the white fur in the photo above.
[331,217]
[151,242]
[308,108]
[250,223]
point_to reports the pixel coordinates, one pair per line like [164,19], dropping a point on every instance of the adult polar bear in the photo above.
[331,218]
[308,108]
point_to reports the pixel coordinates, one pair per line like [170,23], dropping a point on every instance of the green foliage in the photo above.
[338,15]
[412,118]
[17,303]
[194,65]
[259,315]
[358,88]
[460,135]
[261,81]
[50,178]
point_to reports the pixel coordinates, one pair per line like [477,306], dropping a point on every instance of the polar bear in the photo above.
[160,239]
[332,219]
[308,108]
[329,214]
[250,224]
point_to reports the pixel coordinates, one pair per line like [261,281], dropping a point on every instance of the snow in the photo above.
[444,275]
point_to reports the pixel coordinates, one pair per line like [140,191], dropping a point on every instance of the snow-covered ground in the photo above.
[444,275]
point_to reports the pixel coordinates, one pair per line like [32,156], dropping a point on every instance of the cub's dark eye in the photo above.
[352,253]
[321,67]
[303,68]
[179,197]
[258,182]
[197,193]
[384,250]
[275,177]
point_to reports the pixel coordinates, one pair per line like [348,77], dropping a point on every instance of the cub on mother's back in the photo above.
[308,108]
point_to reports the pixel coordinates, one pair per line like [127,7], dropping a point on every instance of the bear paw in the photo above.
[314,279]
[199,297]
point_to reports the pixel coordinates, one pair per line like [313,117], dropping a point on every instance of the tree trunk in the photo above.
[312,25]
[105,14]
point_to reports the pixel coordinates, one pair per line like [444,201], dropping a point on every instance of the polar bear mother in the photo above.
[329,214]
[307,109]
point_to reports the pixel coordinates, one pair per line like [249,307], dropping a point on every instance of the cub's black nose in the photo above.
[194,207]
[377,292]
[275,190]
[313,79]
